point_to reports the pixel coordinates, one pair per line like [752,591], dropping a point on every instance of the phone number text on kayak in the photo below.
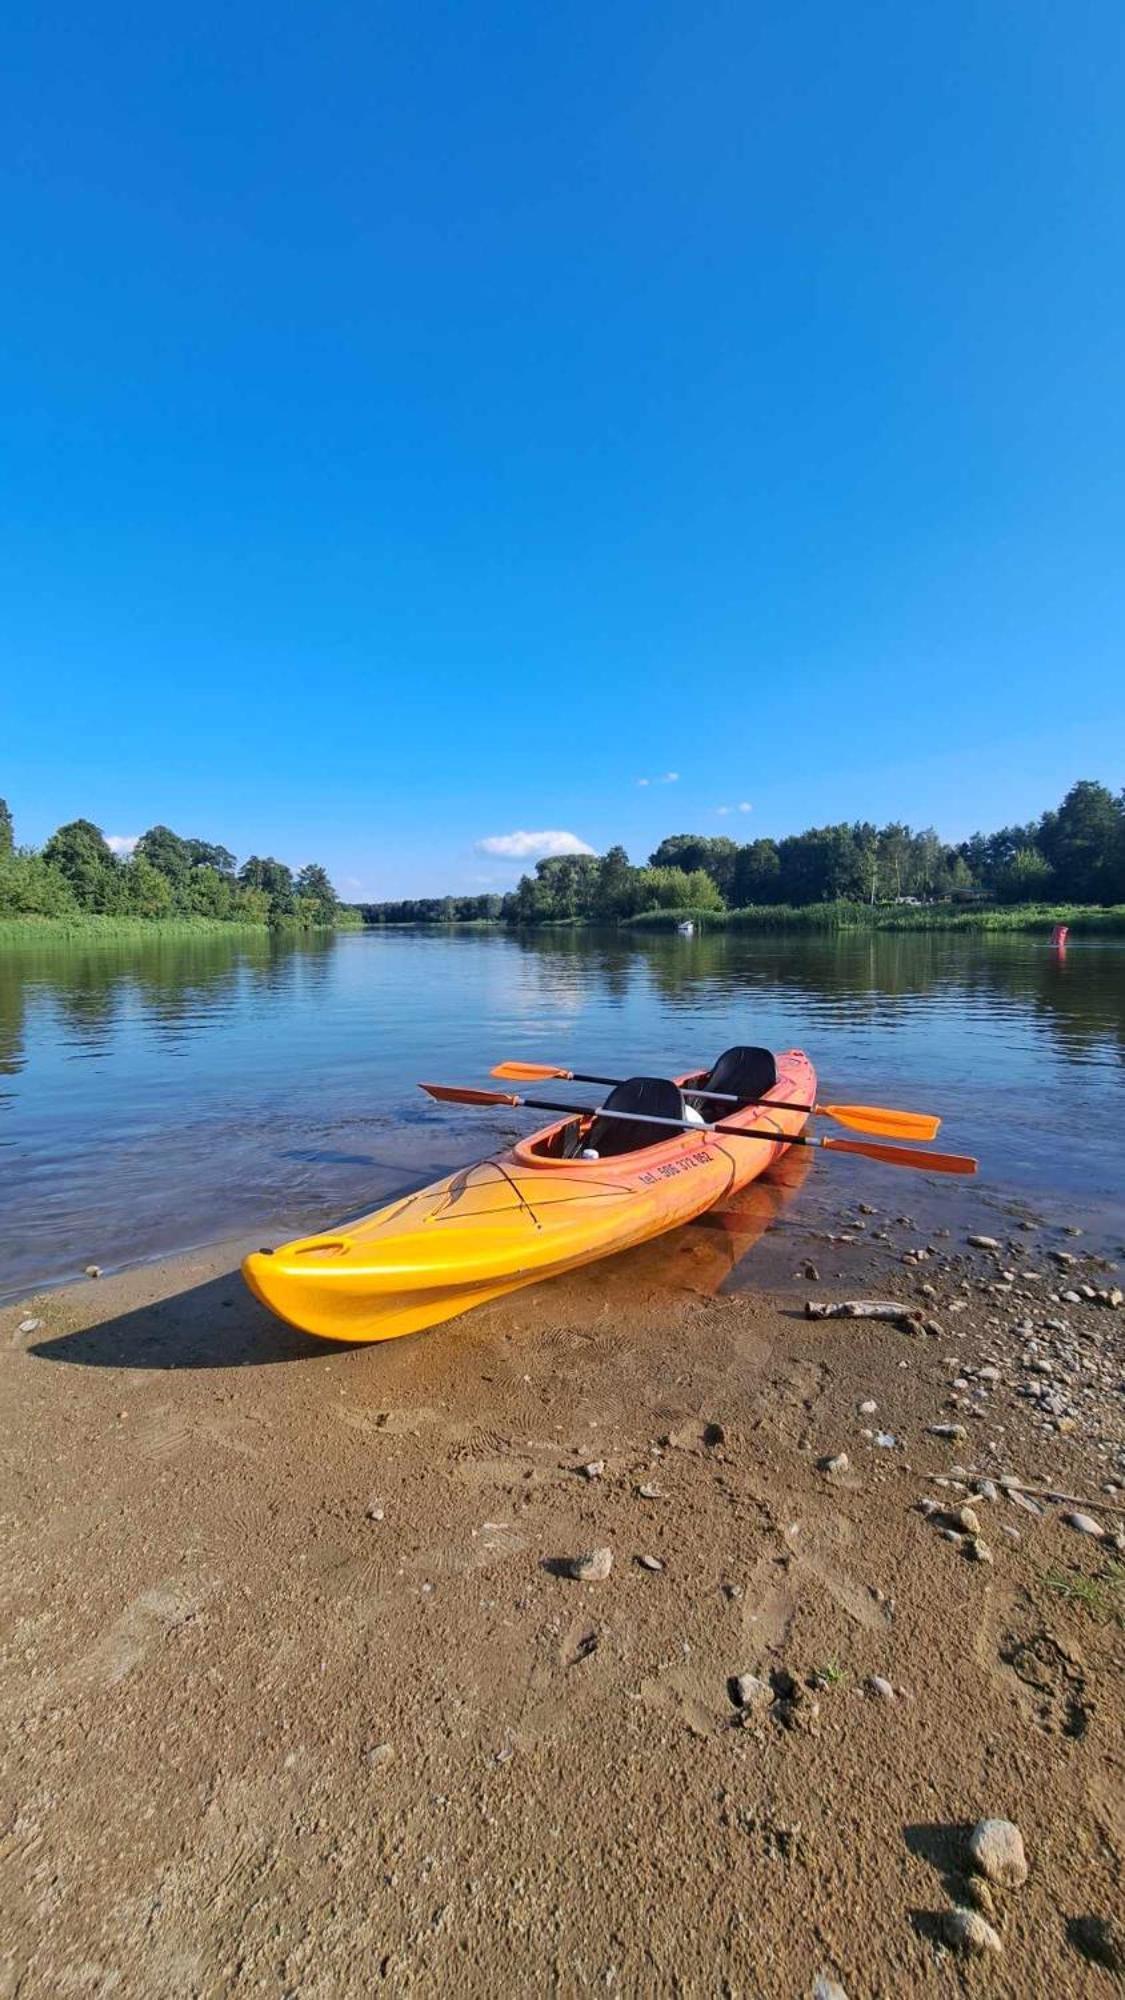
[673,1167]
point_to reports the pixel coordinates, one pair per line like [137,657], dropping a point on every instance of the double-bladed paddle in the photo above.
[892,1156]
[874,1118]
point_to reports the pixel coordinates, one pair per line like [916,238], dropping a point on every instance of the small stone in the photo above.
[866,1409]
[649,1493]
[749,1690]
[810,1274]
[650,1562]
[967,1519]
[978,1550]
[977,1892]
[984,1243]
[996,1850]
[967,1932]
[988,1374]
[834,1465]
[824,1987]
[886,1440]
[951,1535]
[375,1510]
[948,1431]
[927,1507]
[33,1326]
[1063,1256]
[595,1468]
[592,1568]
[1085,1524]
[987,1489]
[378,1755]
[1113,1296]
[93,1270]
[881,1687]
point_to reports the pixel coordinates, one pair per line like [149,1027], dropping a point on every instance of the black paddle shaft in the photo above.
[676,1124]
[720,1096]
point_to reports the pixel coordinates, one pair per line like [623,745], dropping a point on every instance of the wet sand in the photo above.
[298,1699]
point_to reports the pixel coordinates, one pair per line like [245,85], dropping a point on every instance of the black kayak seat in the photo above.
[655,1096]
[743,1073]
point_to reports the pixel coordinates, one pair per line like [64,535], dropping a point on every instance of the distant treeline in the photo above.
[165,876]
[1075,854]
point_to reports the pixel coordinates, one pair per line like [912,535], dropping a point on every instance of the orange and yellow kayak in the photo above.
[524,1214]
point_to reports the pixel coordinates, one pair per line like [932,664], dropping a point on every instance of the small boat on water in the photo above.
[581,1188]
[686,929]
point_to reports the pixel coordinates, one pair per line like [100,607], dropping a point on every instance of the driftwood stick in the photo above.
[860,1309]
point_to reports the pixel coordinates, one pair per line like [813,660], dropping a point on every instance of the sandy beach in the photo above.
[299,1697]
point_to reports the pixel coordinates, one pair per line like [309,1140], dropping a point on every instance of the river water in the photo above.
[157,1096]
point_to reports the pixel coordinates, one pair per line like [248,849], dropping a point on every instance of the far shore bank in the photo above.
[85,928]
[1082,919]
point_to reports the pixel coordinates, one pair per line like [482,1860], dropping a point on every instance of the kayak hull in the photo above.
[515,1219]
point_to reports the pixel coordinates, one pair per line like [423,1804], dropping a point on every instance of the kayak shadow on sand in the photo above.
[213,1325]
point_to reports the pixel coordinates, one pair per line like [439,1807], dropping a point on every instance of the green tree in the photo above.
[1080,841]
[316,897]
[145,890]
[79,852]
[165,850]
[275,880]
[7,833]
[1026,878]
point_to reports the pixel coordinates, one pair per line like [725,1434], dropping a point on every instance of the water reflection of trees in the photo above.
[1079,999]
[176,986]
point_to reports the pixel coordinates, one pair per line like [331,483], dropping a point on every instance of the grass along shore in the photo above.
[1084,920]
[85,928]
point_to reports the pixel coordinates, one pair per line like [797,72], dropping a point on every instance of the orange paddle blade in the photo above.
[888,1124]
[446,1093]
[902,1156]
[529,1072]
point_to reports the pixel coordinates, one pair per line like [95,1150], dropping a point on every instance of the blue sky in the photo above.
[422,423]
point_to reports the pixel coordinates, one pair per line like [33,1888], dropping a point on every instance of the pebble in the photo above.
[978,1550]
[592,1568]
[984,1243]
[1063,1256]
[967,1519]
[93,1270]
[650,1562]
[649,1493]
[988,1374]
[987,1490]
[996,1851]
[595,1468]
[824,1987]
[375,1510]
[33,1326]
[948,1431]
[881,1687]
[811,1274]
[886,1440]
[968,1932]
[927,1507]
[838,1463]
[1085,1524]
[977,1892]
[378,1755]
[749,1690]
[866,1409]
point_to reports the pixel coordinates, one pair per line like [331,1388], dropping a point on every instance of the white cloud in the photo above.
[665,778]
[525,846]
[644,781]
[121,843]
[744,806]
[721,812]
